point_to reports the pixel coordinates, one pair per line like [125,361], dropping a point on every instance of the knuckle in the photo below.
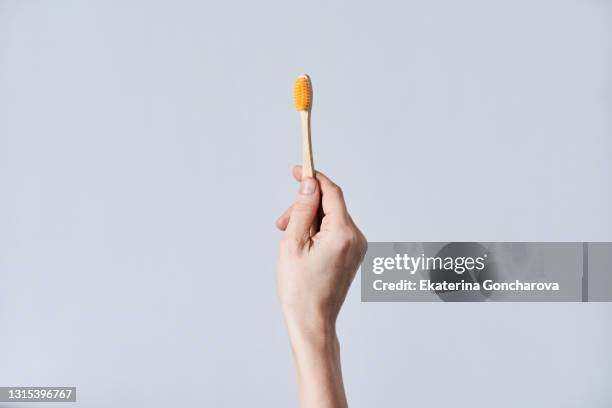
[302,206]
[345,238]
[363,244]
[351,240]
[338,190]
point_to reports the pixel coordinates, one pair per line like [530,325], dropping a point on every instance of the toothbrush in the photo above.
[302,96]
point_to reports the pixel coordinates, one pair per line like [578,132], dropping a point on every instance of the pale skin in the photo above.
[313,276]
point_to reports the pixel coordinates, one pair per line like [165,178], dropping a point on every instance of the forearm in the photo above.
[316,355]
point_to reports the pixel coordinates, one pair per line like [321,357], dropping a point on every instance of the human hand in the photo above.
[315,273]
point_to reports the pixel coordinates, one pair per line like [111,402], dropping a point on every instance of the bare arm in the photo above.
[313,277]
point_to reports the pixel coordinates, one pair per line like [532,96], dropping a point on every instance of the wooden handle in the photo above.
[308,163]
[307,159]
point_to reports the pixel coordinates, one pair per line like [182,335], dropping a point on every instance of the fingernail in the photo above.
[308,186]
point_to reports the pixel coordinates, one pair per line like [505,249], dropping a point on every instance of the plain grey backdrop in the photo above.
[146,148]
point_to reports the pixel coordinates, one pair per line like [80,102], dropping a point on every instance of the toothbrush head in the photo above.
[302,93]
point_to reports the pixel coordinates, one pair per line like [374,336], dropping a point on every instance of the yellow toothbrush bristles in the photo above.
[302,93]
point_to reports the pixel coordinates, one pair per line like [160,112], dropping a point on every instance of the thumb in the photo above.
[304,210]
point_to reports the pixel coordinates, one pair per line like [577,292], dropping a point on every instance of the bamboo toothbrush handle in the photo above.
[308,164]
[307,159]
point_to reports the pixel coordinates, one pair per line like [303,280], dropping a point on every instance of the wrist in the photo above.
[315,335]
[316,355]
